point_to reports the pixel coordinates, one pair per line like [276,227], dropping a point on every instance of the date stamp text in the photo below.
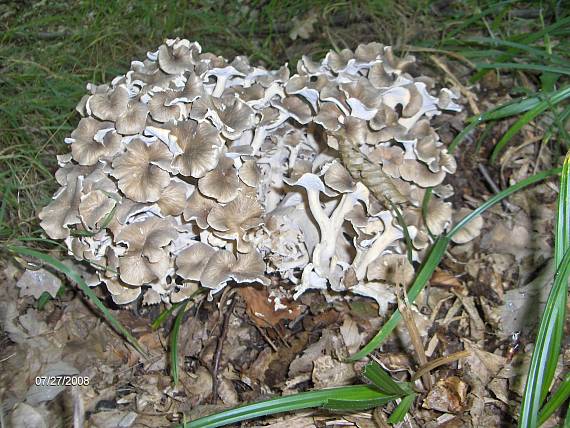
[62,380]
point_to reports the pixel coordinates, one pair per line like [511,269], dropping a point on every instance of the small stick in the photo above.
[485,173]
[439,362]
[494,187]
[267,339]
[408,317]
[219,348]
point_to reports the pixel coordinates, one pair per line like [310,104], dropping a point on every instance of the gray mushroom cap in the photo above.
[221,183]
[142,170]
[93,140]
[109,105]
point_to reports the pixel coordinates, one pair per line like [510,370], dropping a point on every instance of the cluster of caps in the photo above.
[191,171]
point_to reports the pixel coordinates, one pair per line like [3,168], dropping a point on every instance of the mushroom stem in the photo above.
[317,211]
[294,151]
[258,139]
[323,254]
[343,207]
[362,260]
[220,86]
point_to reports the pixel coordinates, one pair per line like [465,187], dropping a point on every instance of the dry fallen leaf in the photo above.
[35,282]
[329,372]
[441,278]
[261,308]
[201,384]
[448,395]
[227,392]
[352,338]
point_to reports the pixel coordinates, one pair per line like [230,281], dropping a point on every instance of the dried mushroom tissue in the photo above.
[192,171]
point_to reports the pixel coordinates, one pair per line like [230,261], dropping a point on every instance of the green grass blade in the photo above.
[547,347]
[74,276]
[558,399]
[532,51]
[402,223]
[549,338]
[46,297]
[398,415]
[551,101]
[174,342]
[473,19]
[352,405]
[436,254]
[503,111]
[382,380]
[360,397]
[164,316]
[529,67]
[42,301]
[562,233]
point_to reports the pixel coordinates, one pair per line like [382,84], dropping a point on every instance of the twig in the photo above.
[439,362]
[408,317]
[494,187]
[7,358]
[267,339]
[485,173]
[220,347]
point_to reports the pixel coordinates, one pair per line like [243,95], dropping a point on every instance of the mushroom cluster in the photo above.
[190,170]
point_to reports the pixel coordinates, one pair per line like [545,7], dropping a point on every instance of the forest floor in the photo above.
[485,297]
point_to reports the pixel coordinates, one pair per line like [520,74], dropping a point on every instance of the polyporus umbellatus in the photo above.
[192,170]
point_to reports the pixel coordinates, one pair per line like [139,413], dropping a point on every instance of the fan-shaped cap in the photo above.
[92,141]
[163,108]
[145,259]
[392,268]
[249,173]
[63,210]
[367,95]
[192,261]
[201,147]
[235,115]
[296,108]
[241,214]
[338,178]
[109,105]
[222,182]
[470,231]
[94,207]
[172,199]
[391,157]
[198,208]
[417,172]
[224,266]
[368,52]
[379,77]
[133,120]
[328,116]
[438,216]
[120,292]
[178,57]
[184,292]
[142,170]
